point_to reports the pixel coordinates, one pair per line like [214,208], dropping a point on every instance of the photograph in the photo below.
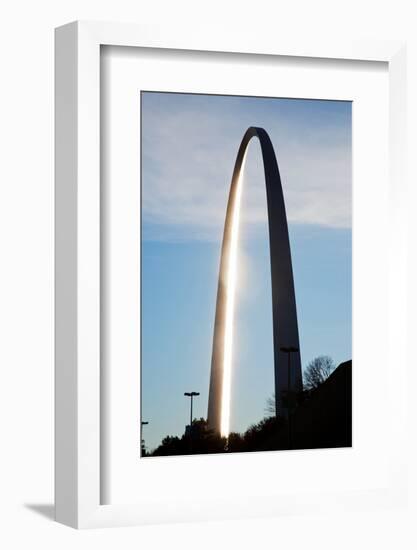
[245,274]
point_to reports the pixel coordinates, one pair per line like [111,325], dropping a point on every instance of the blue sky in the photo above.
[189,145]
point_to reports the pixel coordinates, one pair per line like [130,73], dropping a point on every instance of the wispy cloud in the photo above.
[189,148]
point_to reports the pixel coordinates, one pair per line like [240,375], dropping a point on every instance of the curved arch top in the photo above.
[284,311]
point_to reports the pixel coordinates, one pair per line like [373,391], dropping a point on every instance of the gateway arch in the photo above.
[287,369]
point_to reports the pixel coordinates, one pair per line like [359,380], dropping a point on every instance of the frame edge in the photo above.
[66,387]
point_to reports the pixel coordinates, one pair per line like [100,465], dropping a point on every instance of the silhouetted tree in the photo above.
[235,443]
[267,435]
[205,440]
[200,439]
[317,371]
[171,445]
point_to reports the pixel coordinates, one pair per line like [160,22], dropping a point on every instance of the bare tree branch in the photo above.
[270,406]
[317,371]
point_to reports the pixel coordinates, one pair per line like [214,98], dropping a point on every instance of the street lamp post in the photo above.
[191,395]
[288,350]
[142,441]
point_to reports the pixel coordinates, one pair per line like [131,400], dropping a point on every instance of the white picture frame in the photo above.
[78,404]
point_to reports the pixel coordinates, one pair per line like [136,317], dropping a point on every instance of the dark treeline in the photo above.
[322,418]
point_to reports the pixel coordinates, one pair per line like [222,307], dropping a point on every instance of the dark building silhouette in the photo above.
[324,418]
